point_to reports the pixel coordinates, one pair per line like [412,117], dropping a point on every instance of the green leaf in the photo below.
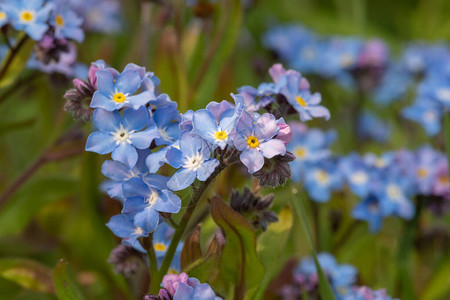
[268,250]
[239,262]
[205,267]
[22,207]
[325,290]
[65,284]
[439,285]
[28,274]
[15,62]
[191,249]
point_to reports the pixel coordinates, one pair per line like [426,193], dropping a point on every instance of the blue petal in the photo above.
[128,82]
[147,219]
[107,121]
[125,153]
[272,148]
[100,142]
[115,170]
[168,203]
[135,119]
[135,187]
[206,169]
[181,180]
[141,99]
[101,100]
[156,160]
[204,124]
[252,159]
[121,226]
[133,205]
[143,139]
[190,144]
[36,31]
[105,82]
[174,157]
[156,180]
[266,127]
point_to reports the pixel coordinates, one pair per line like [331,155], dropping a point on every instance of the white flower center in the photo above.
[393,191]
[138,231]
[193,163]
[429,116]
[151,200]
[322,177]
[308,54]
[380,163]
[444,94]
[359,178]
[122,135]
[164,135]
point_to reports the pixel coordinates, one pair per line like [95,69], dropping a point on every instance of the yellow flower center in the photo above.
[119,97]
[252,141]
[220,135]
[300,101]
[27,16]
[2,15]
[444,180]
[160,247]
[322,176]
[301,152]
[59,20]
[422,172]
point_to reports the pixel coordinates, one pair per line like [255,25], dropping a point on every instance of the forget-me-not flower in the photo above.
[67,24]
[144,200]
[114,93]
[254,136]
[121,135]
[193,159]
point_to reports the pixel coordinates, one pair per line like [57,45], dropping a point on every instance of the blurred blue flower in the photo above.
[373,210]
[428,113]
[356,174]
[30,16]
[373,127]
[67,24]
[321,179]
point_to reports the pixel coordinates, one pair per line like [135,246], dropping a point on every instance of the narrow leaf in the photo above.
[239,261]
[65,284]
[28,274]
[268,250]
[325,290]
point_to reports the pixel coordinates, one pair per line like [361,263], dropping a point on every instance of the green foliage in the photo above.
[27,273]
[239,262]
[65,284]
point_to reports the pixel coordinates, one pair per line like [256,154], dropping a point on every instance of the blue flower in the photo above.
[254,136]
[305,103]
[217,132]
[321,179]
[193,160]
[373,127]
[120,173]
[308,146]
[427,163]
[373,210]
[259,97]
[427,113]
[394,85]
[122,226]
[167,120]
[115,93]
[341,277]
[145,199]
[67,24]
[3,16]
[121,135]
[30,16]
[356,174]
[162,237]
[149,79]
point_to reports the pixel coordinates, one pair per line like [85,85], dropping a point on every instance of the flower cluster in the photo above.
[56,25]
[350,61]
[368,67]
[386,184]
[342,279]
[144,131]
[179,287]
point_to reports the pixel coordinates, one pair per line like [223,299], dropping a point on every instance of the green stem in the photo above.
[197,192]
[9,59]
[148,245]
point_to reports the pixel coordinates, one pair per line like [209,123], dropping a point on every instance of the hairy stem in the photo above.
[197,192]
[148,245]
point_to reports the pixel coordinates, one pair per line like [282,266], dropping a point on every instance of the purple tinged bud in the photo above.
[171,281]
[284,133]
